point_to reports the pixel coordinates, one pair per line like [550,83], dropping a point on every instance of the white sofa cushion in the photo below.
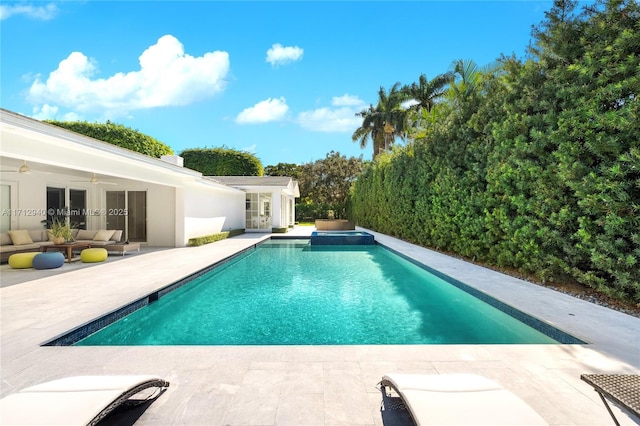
[103,235]
[84,234]
[20,237]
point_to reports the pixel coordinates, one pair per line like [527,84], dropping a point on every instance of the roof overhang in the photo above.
[54,149]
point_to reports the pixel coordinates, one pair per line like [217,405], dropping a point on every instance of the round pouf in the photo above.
[48,260]
[93,255]
[22,260]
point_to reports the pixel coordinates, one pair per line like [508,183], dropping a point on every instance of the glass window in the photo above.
[78,208]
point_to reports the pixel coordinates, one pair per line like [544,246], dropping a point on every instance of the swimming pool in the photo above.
[287,292]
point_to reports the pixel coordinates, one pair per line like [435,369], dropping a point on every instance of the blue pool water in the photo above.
[288,292]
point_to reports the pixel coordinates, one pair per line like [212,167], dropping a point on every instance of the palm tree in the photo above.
[427,93]
[372,128]
[468,76]
[384,123]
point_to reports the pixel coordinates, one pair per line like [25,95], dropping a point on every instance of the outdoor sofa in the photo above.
[34,240]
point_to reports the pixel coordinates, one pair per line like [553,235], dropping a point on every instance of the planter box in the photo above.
[334,225]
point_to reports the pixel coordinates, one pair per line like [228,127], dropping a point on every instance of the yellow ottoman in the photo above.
[22,260]
[93,255]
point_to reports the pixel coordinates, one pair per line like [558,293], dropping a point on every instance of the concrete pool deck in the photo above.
[304,385]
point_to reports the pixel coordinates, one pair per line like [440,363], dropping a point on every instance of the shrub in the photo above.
[222,162]
[199,241]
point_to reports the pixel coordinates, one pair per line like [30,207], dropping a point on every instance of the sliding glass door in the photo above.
[127,211]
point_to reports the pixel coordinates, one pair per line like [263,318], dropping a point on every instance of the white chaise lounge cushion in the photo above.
[80,400]
[460,399]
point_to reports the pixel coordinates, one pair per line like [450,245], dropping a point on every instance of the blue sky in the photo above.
[281,80]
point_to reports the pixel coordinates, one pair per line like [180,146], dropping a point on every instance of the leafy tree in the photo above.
[326,184]
[284,169]
[117,134]
[222,162]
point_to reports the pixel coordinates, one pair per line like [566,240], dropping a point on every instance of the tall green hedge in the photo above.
[539,170]
[117,134]
[222,162]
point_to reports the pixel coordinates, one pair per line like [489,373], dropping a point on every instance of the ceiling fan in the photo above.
[94,181]
[24,169]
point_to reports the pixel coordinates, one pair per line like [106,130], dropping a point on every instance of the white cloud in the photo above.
[43,13]
[347,100]
[264,112]
[280,55]
[339,118]
[167,77]
[48,112]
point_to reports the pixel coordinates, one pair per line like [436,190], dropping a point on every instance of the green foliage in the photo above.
[284,169]
[325,185]
[534,167]
[119,135]
[61,229]
[222,162]
[384,123]
[207,239]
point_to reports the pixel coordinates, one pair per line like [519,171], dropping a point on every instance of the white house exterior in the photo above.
[270,200]
[156,202]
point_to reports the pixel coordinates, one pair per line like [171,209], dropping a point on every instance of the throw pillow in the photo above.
[117,236]
[103,235]
[83,234]
[20,237]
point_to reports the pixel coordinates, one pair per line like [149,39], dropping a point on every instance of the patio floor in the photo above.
[302,385]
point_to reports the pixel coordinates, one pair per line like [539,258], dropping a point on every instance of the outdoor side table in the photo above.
[123,248]
[623,389]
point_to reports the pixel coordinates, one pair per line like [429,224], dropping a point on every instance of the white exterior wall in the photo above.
[210,210]
[276,203]
[28,201]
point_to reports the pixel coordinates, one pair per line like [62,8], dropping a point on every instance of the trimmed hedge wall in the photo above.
[539,170]
[117,134]
[199,241]
[222,162]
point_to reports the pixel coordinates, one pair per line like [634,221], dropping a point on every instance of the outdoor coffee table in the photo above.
[623,389]
[68,248]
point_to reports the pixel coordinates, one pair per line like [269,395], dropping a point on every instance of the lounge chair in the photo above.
[460,399]
[80,400]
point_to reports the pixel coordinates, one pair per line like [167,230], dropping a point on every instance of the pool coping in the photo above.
[89,327]
[532,321]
